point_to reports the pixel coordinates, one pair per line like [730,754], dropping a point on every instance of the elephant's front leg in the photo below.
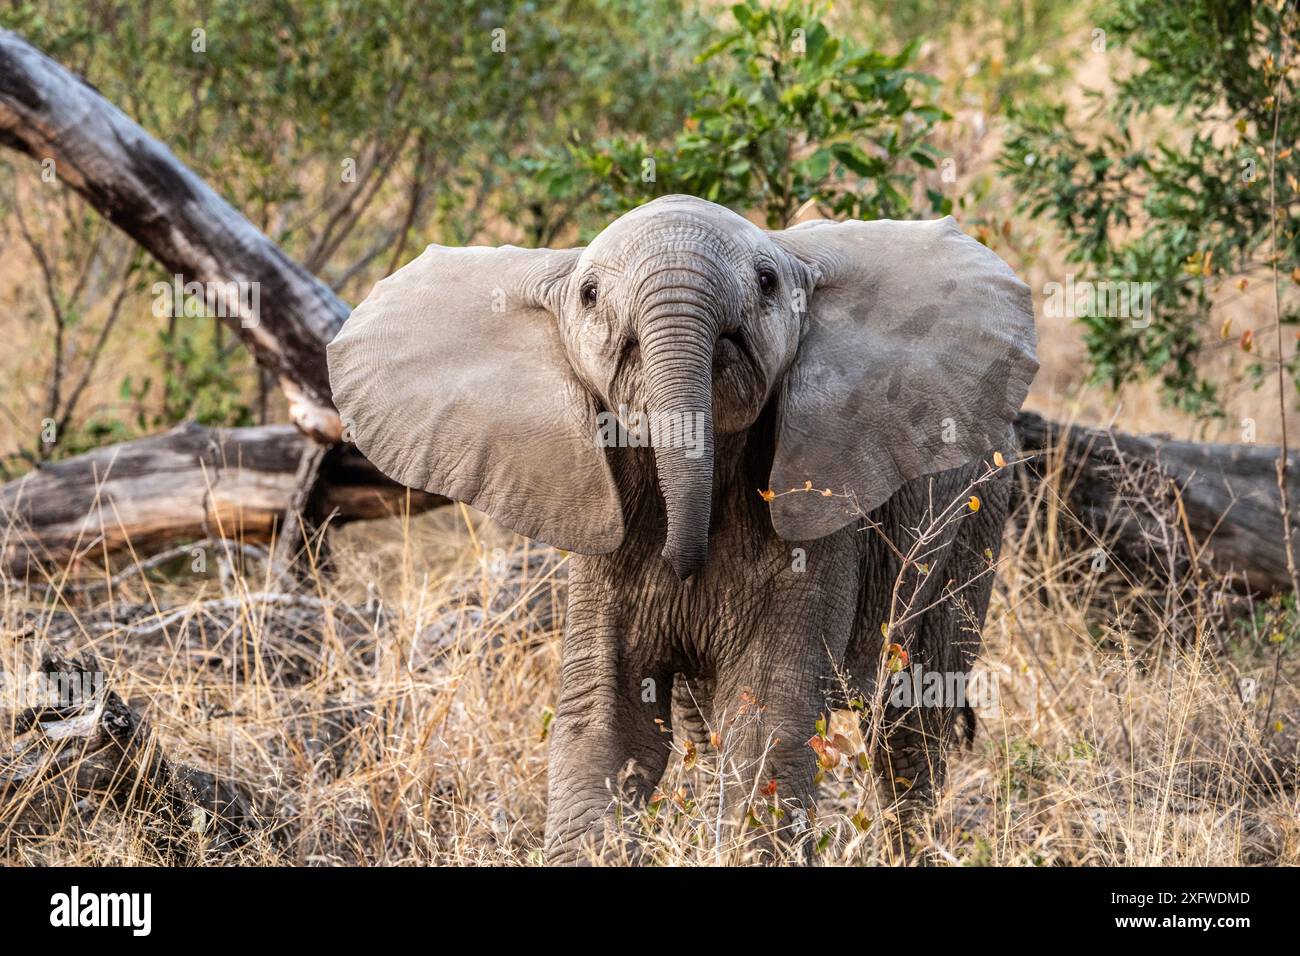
[612,731]
[771,690]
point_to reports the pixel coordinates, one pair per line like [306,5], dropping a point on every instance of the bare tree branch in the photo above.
[47,112]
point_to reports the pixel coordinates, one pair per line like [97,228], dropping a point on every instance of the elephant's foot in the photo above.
[588,823]
[907,842]
[911,771]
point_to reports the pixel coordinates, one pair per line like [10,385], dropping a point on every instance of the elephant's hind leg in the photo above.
[693,708]
[920,729]
[693,727]
[912,767]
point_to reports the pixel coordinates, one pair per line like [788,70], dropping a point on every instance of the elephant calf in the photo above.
[761,446]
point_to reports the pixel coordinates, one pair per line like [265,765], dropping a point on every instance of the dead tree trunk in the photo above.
[188,483]
[1154,506]
[52,115]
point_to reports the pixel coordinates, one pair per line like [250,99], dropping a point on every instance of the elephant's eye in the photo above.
[766,280]
[588,293]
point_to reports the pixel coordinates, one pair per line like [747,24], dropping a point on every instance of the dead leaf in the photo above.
[689,758]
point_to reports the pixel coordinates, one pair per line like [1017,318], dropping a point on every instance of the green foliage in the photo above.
[1005,51]
[788,115]
[202,382]
[279,87]
[1189,211]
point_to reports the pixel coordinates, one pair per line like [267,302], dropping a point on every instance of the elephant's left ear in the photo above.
[450,377]
[919,351]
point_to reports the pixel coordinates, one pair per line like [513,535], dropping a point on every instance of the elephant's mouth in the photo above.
[737,383]
[732,348]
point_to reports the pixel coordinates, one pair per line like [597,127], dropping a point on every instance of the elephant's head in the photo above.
[488,375]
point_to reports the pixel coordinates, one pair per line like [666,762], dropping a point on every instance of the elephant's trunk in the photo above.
[678,335]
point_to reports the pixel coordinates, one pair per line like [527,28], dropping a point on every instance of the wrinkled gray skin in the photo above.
[706,589]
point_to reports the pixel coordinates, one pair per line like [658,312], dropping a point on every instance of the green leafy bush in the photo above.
[1191,211]
[788,116]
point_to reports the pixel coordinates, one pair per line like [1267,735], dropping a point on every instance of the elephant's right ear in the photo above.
[919,351]
[450,377]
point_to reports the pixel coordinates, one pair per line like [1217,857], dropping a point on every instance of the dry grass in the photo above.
[399,718]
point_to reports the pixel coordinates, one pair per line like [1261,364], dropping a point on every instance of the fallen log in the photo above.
[1152,505]
[87,746]
[188,483]
[1163,510]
